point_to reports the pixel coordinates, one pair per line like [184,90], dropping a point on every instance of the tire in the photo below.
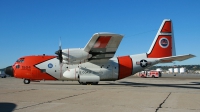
[82,83]
[27,81]
[95,83]
[153,76]
[88,83]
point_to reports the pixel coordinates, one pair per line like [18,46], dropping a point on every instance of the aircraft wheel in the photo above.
[82,83]
[95,83]
[27,81]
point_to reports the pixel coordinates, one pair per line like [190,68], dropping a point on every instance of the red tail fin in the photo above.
[163,44]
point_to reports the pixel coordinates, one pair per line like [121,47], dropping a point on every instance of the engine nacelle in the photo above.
[75,55]
[89,78]
[71,74]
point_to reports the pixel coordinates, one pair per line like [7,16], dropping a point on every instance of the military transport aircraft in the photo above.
[96,62]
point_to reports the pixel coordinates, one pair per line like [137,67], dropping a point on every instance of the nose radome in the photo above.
[9,71]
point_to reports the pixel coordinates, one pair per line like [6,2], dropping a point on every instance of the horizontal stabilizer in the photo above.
[176,58]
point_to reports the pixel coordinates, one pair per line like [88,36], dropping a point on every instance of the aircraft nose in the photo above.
[9,71]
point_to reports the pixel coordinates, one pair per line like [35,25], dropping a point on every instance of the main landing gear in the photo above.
[88,83]
[27,81]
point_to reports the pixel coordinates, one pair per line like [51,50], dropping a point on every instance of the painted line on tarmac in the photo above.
[19,91]
[55,100]
[160,106]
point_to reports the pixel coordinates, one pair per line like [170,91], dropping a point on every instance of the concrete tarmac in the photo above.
[133,94]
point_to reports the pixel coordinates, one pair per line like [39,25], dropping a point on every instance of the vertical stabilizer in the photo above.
[163,44]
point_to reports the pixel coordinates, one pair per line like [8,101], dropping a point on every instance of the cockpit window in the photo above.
[21,60]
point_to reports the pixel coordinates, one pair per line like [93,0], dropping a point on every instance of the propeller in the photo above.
[59,57]
[59,53]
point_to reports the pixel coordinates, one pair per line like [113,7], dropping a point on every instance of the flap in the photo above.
[103,45]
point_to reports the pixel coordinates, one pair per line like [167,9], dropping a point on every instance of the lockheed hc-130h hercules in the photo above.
[96,62]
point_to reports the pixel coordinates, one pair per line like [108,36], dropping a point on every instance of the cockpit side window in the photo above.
[17,66]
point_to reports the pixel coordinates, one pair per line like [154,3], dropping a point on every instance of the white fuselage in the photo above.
[107,70]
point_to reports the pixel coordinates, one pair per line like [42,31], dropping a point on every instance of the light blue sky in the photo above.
[33,27]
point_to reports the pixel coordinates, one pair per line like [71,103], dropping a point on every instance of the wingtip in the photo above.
[108,33]
[192,55]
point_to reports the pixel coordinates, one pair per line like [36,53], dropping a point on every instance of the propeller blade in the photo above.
[60,44]
[59,52]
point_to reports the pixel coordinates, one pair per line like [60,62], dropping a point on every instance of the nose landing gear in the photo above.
[27,81]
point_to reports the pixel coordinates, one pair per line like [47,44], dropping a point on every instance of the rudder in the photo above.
[163,44]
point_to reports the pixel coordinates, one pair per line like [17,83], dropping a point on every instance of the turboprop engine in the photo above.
[75,56]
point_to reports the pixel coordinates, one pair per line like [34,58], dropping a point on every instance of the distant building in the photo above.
[159,69]
[171,70]
[176,70]
[182,70]
[197,71]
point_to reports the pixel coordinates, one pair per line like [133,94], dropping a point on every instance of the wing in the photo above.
[176,58]
[103,45]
